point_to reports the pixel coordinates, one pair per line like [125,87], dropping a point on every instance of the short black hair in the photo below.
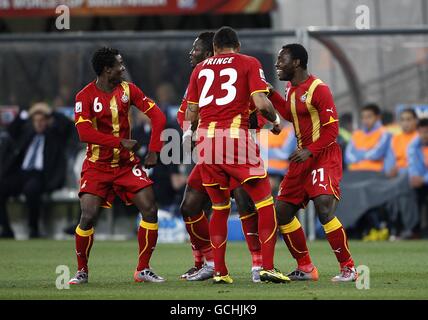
[297,51]
[423,122]
[104,57]
[411,111]
[373,107]
[207,41]
[226,37]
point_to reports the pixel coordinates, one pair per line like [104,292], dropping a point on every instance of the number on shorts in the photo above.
[137,171]
[314,175]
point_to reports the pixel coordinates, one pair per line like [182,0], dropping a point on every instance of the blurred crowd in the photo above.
[40,153]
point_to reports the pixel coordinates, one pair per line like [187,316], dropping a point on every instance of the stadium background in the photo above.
[386,64]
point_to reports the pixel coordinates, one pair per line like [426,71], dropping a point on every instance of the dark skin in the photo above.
[289,69]
[144,199]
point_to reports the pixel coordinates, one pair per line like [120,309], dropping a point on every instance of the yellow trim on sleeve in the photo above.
[265,90]
[84,233]
[151,105]
[331,120]
[331,226]
[290,227]
[148,225]
[192,102]
[80,120]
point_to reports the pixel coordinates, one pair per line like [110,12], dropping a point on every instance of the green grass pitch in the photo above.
[398,270]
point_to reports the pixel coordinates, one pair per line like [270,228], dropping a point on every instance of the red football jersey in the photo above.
[108,114]
[222,86]
[309,106]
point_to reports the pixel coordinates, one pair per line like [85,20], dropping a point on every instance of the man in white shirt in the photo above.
[38,150]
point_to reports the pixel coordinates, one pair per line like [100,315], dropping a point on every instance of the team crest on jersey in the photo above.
[303,98]
[124,98]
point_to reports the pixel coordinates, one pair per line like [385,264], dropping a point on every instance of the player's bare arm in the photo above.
[192,113]
[129,144]
[267,110]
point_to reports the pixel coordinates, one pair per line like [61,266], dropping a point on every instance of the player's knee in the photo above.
[245,206]
[88,216]
[187,210]
[324,211]
[150,213]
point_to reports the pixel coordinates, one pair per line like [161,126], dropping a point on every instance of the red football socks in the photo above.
[250,230]
[260,192]
[84,240]
[295,239]
[337,238]
[218,234]
[198,229]
[147,238]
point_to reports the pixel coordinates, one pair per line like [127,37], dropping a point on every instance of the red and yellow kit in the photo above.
[222,87]
[310,107]
[102,121]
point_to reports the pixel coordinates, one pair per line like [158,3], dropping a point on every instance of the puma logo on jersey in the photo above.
[83,184]
[145,179]
[329,110]
[324,186]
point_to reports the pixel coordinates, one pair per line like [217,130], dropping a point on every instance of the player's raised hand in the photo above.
[300,155]
[276,130]
[151,159]
[129,144]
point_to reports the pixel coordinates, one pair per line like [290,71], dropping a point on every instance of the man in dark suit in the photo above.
[37,164]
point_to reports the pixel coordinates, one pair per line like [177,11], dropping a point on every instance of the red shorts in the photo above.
[229,176]
[314,177]
[195,180]
[106,182]
[227,162]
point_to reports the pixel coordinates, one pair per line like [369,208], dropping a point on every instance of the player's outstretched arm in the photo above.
[266,109]
[88,134]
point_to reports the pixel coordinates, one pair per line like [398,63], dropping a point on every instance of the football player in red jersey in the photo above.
[220,99]
[111,167]
[196,198]
[315,167]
